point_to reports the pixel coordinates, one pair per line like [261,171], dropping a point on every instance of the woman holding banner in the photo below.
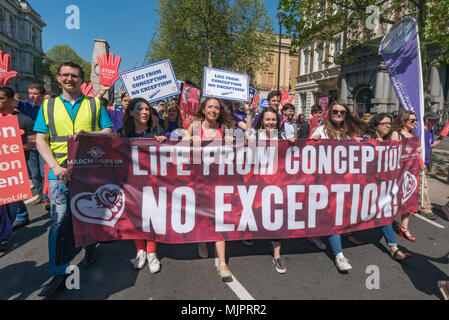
[172,120]
[380,129]
[403,126]
[210,124]
[268,127]
[340,124]
[140,122]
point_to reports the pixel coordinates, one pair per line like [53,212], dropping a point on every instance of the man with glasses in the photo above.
[71,113]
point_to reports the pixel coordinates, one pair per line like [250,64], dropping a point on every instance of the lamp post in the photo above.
[280,16]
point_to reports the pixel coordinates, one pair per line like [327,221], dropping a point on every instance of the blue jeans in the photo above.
[36,165]
[59,202]
[335,243]
[18,211]
[389,235]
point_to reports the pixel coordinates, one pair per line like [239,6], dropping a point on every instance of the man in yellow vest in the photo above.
[71,113]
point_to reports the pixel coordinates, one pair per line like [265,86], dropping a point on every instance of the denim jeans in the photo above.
[36,165]
[18,211]
[59,201]
[389,235]
[335,243]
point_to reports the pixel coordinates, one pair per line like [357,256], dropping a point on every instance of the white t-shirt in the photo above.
[320,132]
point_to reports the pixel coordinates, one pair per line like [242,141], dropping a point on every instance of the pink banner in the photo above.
[175,193]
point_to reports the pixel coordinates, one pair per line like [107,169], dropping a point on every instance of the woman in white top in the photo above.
[339,124]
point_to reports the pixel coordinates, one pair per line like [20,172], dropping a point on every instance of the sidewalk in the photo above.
[440,166]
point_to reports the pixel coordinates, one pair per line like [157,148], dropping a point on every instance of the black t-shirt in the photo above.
[27,125]
[158,131]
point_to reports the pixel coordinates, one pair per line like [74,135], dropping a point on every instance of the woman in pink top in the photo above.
[210,124]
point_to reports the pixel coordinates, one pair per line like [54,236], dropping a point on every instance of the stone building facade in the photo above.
[364,84]
[21,37]
[267,80]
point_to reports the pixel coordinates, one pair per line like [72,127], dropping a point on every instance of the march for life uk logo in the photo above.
[14,182]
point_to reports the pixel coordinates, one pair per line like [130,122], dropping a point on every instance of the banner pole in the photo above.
[421,109]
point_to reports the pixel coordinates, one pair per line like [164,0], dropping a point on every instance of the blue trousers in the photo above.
[59,202]
[36,166]
[18,211]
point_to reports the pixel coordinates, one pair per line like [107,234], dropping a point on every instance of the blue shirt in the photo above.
[429,138]
[41,127]
[28,108]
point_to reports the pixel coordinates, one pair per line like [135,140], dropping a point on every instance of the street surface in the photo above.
[311,273]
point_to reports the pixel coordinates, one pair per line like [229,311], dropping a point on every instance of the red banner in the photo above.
[14,182]
[175,193]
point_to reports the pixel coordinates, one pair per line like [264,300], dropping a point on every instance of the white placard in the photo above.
[225,85]
[153,82]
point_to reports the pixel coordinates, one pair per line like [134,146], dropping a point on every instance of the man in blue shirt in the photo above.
[430,120]
[70,107]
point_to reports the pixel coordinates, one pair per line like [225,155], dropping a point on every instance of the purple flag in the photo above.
[400,50]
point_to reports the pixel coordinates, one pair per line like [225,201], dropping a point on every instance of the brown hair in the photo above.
[259,122]
[128,121]
[400,120]
[351,126]
[222,118]
[274,93]
[178,117]
[39,87]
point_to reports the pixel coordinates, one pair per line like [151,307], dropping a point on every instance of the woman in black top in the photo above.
[140,122]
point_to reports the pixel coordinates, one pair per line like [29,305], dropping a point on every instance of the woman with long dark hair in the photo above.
[211,124]
[140,122]
[380,129]
[339,124]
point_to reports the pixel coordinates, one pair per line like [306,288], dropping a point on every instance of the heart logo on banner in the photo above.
[409,186]
[103,207]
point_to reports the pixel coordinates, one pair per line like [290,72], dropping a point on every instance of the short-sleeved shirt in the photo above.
[41,127]
[28,108]
[26,124]
[429,139]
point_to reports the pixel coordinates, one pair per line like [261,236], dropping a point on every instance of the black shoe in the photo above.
[90,257]
[20,224]
[47,205]
[56,284]
[4,245]
[428,215]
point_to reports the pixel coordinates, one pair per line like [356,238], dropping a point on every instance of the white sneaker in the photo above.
[342,263]
[317,242]
[153,263]
[140,261]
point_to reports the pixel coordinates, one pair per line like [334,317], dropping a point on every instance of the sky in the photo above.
[128,26]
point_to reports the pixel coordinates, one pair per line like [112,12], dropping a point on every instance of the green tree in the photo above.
[319,22]
[193,34]
[63,53]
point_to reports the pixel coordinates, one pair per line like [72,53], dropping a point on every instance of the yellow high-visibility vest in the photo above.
[60,123]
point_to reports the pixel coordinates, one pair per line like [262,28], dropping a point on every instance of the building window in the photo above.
[2,20]
[34,37]
[320,59]
[12,26]
[337,47]
[306,63]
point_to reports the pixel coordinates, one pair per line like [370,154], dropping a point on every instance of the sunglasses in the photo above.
[335,112]
[413,120]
